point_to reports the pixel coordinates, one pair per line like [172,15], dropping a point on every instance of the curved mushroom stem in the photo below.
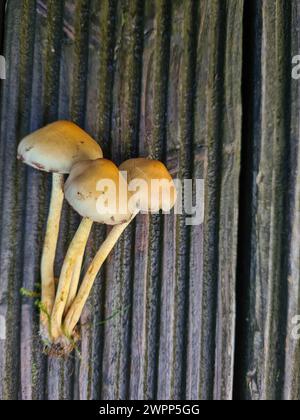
[49,251]
[74,255]
[76,308]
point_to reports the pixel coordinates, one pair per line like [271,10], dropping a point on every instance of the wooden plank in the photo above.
[267,354]
[292,361]
[16,125]
[159,78]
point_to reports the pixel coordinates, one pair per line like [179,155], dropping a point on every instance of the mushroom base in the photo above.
[63,346]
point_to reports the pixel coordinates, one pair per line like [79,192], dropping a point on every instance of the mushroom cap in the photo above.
[57,147]
[160,193]
[94,189]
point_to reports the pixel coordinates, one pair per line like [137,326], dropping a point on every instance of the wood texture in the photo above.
[267,363]
[188,82]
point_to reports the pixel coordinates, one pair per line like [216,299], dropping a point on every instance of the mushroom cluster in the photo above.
[99,192]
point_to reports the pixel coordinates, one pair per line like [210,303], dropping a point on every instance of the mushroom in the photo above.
[140,173]
[90,184]
[55,148]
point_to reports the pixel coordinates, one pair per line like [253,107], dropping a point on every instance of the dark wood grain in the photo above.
[155,78]
[267,353]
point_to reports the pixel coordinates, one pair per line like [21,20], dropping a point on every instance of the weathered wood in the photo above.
[267,355]
[158,78]
[292,357]
[2,15]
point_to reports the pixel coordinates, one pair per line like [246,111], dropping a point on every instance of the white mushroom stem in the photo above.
[49,250]
[74,283]
[76,308]
[74,255]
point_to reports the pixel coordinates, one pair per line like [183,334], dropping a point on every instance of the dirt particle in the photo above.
[20,158]
[38,166]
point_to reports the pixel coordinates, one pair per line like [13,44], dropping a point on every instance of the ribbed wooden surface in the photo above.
[166,79]
[268,364]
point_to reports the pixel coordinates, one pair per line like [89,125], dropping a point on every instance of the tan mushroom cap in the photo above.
[161,193]
[57,147]
[93,190]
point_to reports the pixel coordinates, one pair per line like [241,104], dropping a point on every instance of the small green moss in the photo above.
[29,293]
